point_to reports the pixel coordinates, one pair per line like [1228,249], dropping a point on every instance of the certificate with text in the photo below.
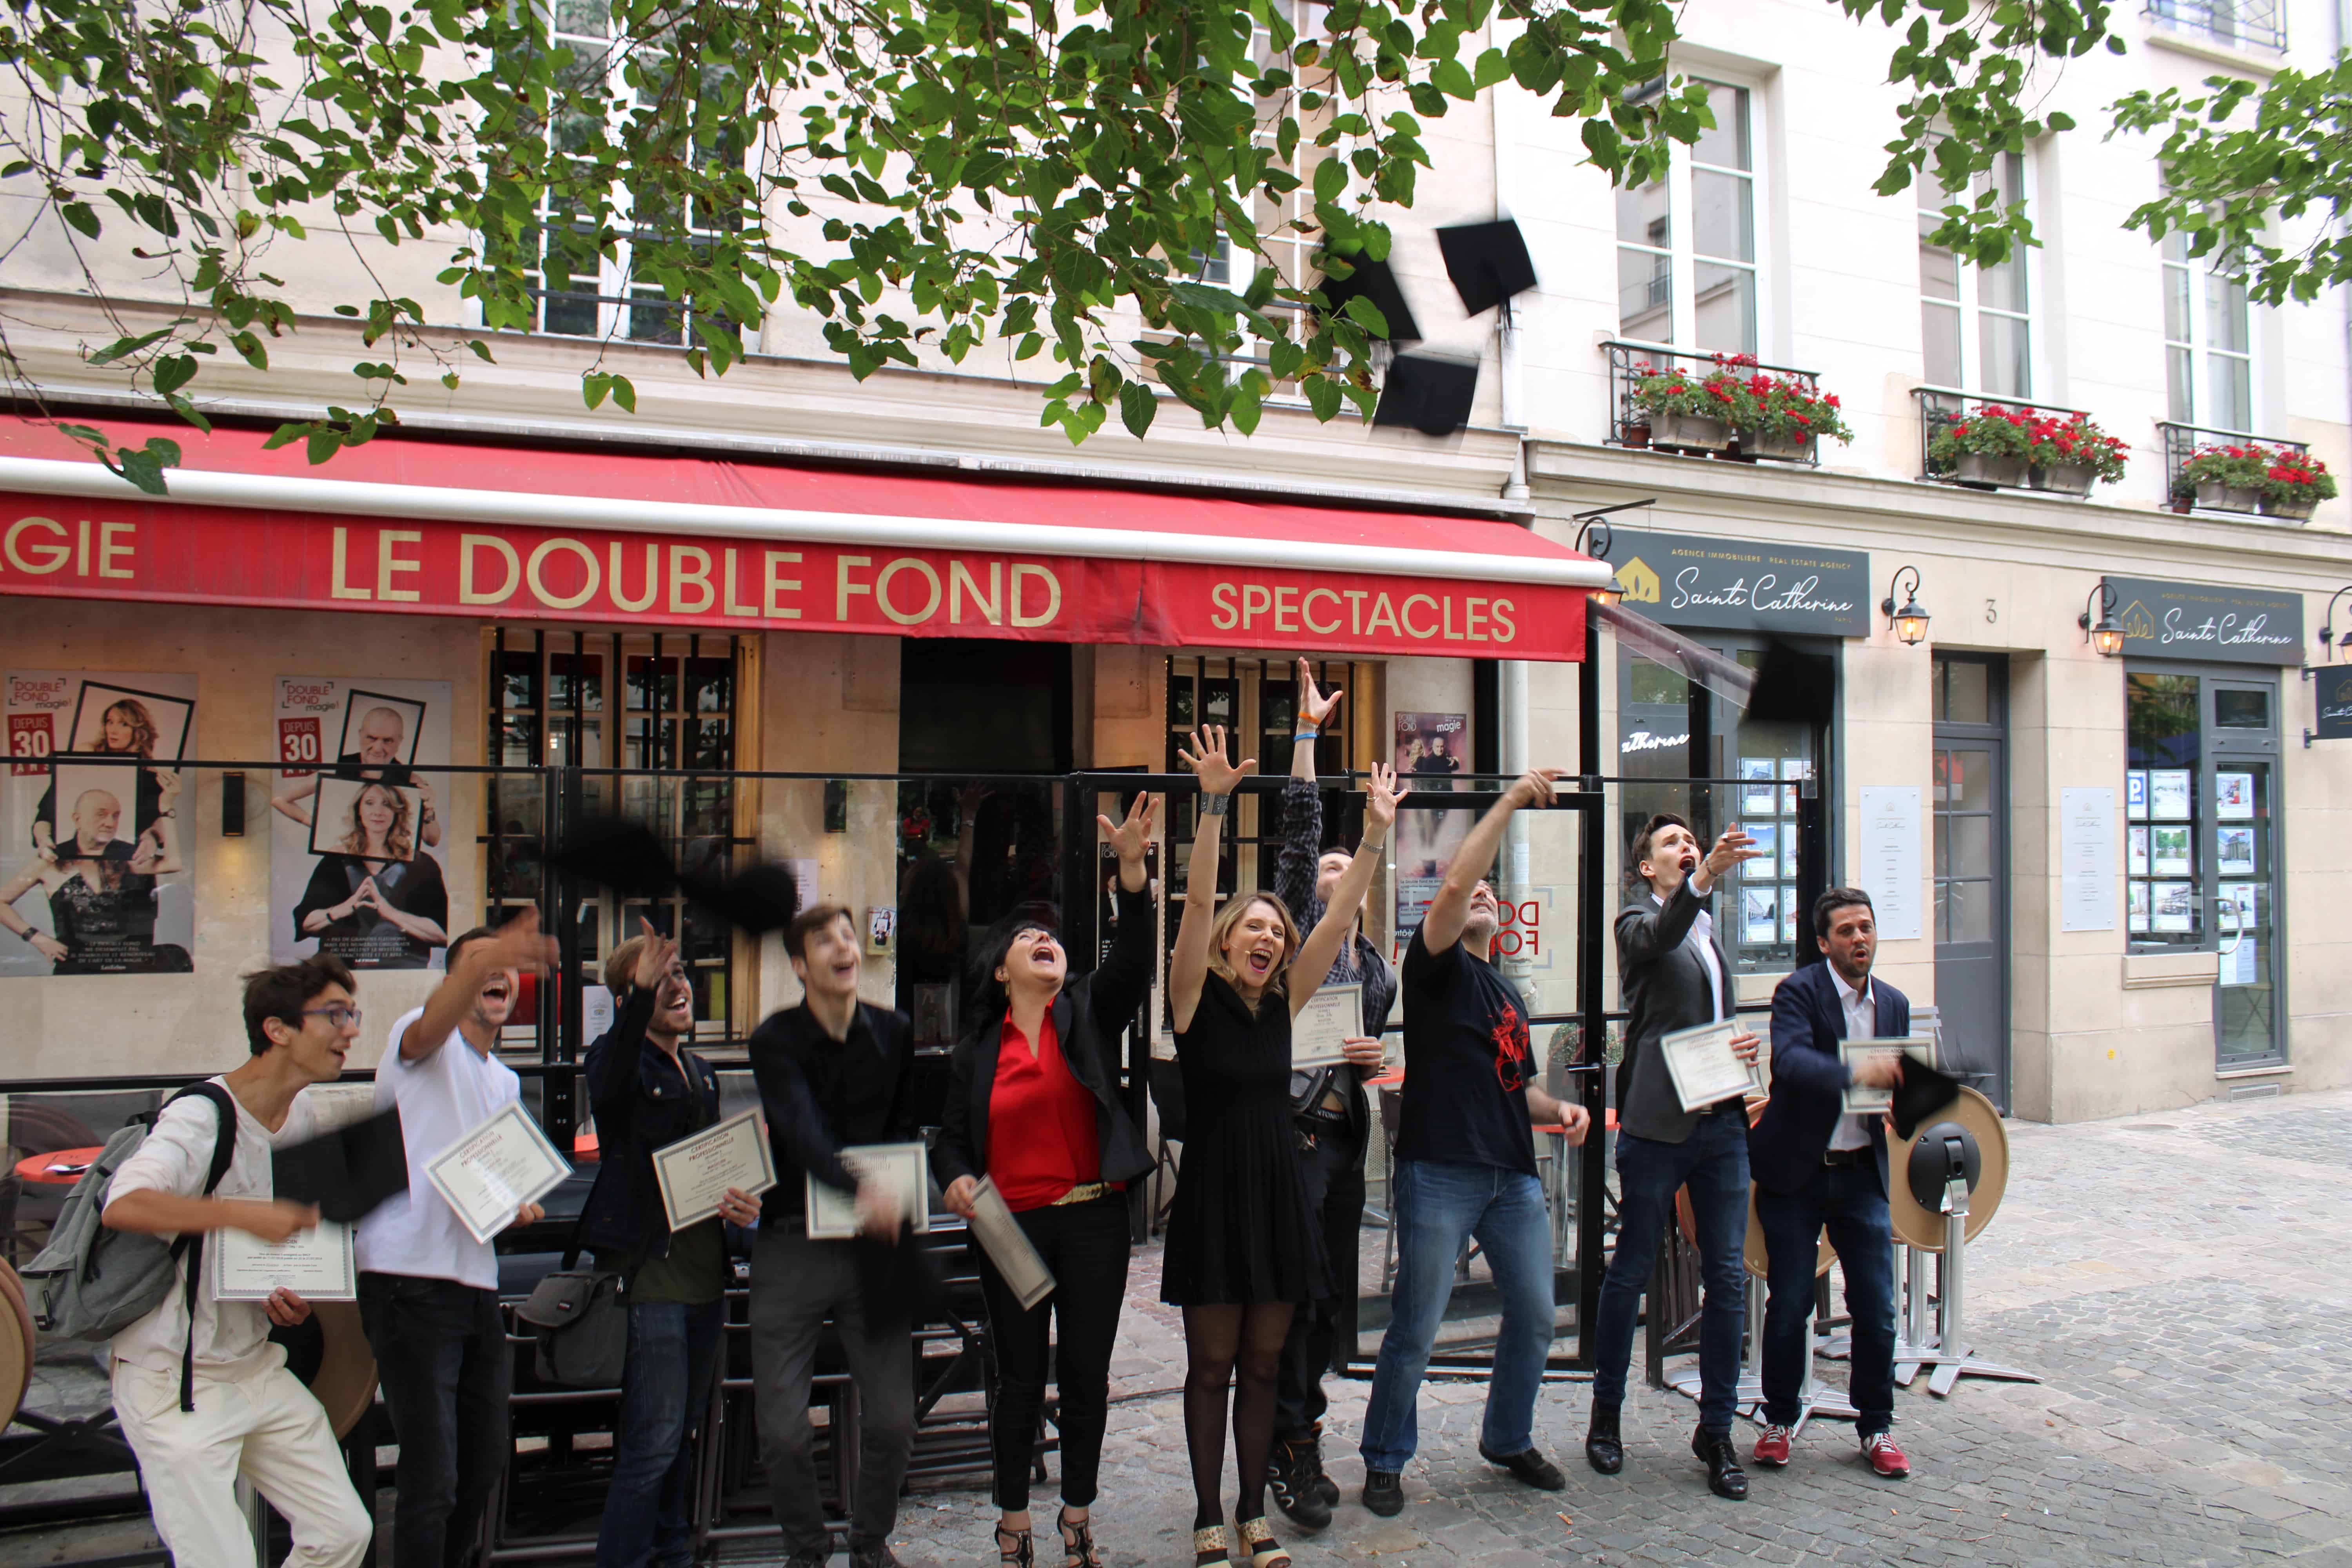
[696,1172]
[1320,1033]
[316,1263]
[1703,1067]
[902,1168]
[1870,1101]
[494,1169]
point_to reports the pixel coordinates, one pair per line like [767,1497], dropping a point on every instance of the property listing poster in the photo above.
[358,846]
[1431,749]
[94,842]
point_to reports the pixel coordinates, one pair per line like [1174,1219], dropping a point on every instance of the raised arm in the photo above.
[1124,978]
[1316,707]
[1312,965]
[516,945]
[1188,968]
[1449,912]
[613,1072]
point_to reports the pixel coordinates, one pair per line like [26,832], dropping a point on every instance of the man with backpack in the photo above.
[203,1394]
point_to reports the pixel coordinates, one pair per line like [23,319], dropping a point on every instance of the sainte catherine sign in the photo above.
[2196,620]
[1685,580]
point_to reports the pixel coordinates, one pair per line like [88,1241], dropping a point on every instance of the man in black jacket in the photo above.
[833,1072]
[1332,1116]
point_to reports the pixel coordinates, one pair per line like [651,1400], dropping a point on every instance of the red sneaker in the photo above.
[1772,1446]
[1884,1457]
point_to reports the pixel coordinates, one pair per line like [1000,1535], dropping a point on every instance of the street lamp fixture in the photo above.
[1590,526]
[2327,624]
[2107,634]
[1910,622]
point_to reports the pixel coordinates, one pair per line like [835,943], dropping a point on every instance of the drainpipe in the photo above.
[1513,674]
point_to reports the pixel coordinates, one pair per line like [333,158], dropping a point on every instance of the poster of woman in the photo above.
[94,853]
[357,852]
[1434,747]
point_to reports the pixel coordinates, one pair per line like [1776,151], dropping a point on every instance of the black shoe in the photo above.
[1325,1486]
[1384,1492]
[1724,1475]
[1531,1468]
[877,1555]
[808,1560]
[1293,1476]
[1604,1450]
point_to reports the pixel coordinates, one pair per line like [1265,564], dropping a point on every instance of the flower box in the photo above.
[2063,479]
[1978,469]
[2296,508]
[1757,443]
[2213,495]
[1688,432]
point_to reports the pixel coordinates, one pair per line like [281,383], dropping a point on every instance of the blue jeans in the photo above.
[1713,1160]
[1845,1199]
[1439,1206]
[665,1395]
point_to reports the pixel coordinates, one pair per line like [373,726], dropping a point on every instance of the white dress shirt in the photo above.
[1701,938]
[1860,1024]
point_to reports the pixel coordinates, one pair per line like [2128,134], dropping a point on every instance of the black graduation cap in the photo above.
[627,857]
[1376,283]
[1429,394]
[1792,687]
[1488,261]
[347,1172]
[1923,1095]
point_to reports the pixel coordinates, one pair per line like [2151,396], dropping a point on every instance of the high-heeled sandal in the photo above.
[1212,1547]
[1025,1550]
[1078,1541]
[1265,1551]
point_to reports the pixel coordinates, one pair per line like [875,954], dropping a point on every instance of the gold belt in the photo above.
[1084,1193]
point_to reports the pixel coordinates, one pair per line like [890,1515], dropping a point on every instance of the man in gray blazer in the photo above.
[1674,976]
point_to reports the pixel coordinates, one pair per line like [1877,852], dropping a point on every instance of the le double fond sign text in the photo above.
[200,555]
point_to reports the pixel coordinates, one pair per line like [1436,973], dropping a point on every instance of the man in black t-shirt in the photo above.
[1465,1167]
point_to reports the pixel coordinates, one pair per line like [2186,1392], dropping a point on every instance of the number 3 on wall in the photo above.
[1993,615]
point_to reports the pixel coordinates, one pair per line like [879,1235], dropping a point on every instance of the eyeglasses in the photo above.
[336,1015]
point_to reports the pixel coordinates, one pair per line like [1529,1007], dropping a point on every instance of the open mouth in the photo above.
[1260,964]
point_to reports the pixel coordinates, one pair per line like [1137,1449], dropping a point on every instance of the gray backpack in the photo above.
[92,1283]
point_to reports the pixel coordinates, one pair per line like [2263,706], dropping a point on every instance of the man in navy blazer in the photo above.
[1816,1166]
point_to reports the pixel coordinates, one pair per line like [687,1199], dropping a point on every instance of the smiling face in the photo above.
[497,1001]
[1034,958]
[96,816]
[319,1046]
[1254,942]
[829,959]
[375,810]
[673,1002]
[381,734]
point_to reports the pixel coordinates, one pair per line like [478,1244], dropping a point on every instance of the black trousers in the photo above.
[1334,1170]
[1067,1335]
[442,1357]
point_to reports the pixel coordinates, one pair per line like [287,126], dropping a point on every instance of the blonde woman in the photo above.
[1244,1247]
[376,902]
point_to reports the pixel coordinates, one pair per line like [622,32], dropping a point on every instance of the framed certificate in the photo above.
[1332,1016]
[833,1214]
[695,1172]
[494,1169]
[1869,1101]
[315,1264]
[1703,1067]
[1008,1247]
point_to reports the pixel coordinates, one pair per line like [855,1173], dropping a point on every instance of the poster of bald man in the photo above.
[94,851]
[358,845]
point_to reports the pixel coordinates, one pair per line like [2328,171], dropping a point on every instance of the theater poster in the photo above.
[358,808]
[95,843]
[1432,750]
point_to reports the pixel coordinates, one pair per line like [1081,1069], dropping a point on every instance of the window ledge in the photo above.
[2156,971]
[2270,1069]
[2264,65]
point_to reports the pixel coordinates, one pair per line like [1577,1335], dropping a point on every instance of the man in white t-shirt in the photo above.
[246,1415]
[428,1291]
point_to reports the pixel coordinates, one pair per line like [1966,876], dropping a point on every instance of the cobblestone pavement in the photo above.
[2167,1275]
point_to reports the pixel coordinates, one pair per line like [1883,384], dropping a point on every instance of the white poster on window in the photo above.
[2086,859]
[1889,858]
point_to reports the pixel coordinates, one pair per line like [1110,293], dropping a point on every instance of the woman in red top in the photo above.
[1034,1112]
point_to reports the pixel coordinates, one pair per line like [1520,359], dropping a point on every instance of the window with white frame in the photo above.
[1686,246]
[1976,324]
[2209,340]
[2234,23]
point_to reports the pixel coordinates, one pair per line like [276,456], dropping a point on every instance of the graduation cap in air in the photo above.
[1923,1095]
[1376,283]
[627,857]
[1428,394]
[1792,688]
[1488,261]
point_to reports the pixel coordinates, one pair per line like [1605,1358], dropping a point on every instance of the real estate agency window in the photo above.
[1975,323]
[2209,340]
[1688,245]
[653,718]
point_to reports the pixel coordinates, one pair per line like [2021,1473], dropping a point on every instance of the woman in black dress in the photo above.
[1243,1249]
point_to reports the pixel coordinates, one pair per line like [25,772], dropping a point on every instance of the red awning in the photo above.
[443,528]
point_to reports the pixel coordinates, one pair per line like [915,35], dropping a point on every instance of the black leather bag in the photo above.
[581,1319]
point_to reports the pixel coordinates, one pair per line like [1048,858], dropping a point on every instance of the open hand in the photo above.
[167,787]
[1380,796]
[1316,705]
[1130,838]
[518,944]
[1218,773]
[49,947]
[1729,850]
[654,959]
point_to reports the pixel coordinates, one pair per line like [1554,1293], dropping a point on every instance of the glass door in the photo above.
[1971,851]
[2243,853]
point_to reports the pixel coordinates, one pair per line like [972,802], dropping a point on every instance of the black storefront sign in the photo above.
[1743,585]
[2334,701]
[2192,620]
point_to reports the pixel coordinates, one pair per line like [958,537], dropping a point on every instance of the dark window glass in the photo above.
[2242,710]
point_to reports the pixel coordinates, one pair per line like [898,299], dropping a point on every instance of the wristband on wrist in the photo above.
[1305,732]
[1216,805]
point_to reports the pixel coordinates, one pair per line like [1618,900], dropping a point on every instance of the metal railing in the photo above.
[1629,427]
[2182,442]
[2233,24]
[1940,408]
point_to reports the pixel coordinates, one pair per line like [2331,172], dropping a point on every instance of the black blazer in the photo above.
[1089,1016]
[1664,983]
[1809,1082]
[642,1100]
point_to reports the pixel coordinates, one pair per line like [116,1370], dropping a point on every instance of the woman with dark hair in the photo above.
[1033,1110]
[376,902]
[1244,1247]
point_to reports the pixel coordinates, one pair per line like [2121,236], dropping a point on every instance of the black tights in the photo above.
[1219,1342]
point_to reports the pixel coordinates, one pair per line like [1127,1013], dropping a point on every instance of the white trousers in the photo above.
[264,1427]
